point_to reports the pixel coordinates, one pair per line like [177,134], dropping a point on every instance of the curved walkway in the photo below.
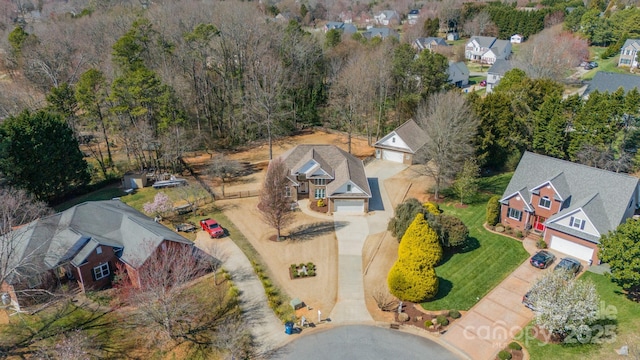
[266,328]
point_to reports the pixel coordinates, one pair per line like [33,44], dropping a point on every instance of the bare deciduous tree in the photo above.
[162,303]
[550,53]
[17,262]
[274,205]
[481,25]
[224,168]
[384,299]
[450,127]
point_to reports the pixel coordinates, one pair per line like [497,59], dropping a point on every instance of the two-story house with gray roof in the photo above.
[496,72]
[401,144]
[570,205]
[629,53]
[83,245]
[487,49]
[429,43]
[329,173]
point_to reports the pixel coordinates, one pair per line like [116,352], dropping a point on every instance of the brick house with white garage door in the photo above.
[401,144]
[570,205]
[329,173]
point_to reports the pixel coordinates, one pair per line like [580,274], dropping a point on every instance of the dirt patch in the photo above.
[308,239]
[420,318]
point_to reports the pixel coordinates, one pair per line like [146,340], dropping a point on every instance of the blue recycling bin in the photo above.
[288,327]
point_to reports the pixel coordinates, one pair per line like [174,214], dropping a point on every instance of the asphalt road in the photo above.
[360,342]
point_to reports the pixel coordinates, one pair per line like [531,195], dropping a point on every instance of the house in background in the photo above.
[452,36]
[629,53]
[429,43]
[412,17]
[401,144]
[329,173]
[496,72]
[517,39]
[83,246]
[487,49]
[382,33]
[458,74]
[387,17]
[346,28]
[610,82]
[570,205]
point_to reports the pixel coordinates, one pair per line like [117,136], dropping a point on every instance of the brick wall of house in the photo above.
[506,220]
[313,187]
[555,204]
[86,272]
[551,232]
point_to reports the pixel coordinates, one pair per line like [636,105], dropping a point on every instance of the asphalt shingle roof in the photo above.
[341,165]
[500,67]
[71,235]
[411,133]
[603,195]
[607,81]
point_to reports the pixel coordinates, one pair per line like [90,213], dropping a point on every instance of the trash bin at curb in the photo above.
[288,327]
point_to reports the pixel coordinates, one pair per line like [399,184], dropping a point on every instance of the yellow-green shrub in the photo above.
[420,242]
[432,208]
[413,281]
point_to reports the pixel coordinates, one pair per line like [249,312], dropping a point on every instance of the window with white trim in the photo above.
[348,187]
[514,214]
[101,271]
[99,250]
[577,223]
[287,191]
[319,194]
[319,182]
[545,202]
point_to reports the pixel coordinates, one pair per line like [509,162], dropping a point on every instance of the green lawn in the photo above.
[608,65]
[467,277]
[626,322]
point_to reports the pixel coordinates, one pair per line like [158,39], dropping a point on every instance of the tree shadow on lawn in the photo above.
[471,244]
[444,288]
[309,231]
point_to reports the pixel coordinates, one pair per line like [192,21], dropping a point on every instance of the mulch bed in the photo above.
[313,205]
[418,317]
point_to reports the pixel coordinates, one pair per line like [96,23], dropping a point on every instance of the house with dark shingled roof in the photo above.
[401,144]
[570,205]
[329,173]
[82,247]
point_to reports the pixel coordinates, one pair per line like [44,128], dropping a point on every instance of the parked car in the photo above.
[527,302]
[483,83]
[570,265]
[593,64]
[212,228]
[588,67]
[584,63]
[542,259]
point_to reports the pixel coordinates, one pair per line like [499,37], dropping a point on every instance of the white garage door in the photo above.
[394,156]
[570,248]
[343,206]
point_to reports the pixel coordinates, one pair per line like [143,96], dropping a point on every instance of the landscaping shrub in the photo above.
[504,355]
[432,208]
[452,231]
[442,320]
[515,346]
[428,323]
[420,242]
[493,211]
[320,203]
[403,216]
[541,244]
[412,281]
[454,314]
[519,234]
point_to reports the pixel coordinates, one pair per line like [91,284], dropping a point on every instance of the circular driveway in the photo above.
[363,342]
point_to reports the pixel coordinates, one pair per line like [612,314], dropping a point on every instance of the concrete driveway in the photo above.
[351,233]
[493,322]
[363,342]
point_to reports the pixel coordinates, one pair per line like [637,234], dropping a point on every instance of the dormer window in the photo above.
[545,202]
[577,223]
[348,187]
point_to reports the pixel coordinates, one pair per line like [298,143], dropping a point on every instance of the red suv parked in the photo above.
[212,227]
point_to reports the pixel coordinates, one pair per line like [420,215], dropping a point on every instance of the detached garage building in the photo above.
[401,144]
[570,205]
[329,173]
